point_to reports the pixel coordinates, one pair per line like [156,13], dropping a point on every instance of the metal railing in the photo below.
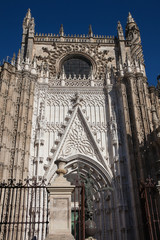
[23,210]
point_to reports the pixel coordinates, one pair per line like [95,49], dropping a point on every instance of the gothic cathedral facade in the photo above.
[83,98]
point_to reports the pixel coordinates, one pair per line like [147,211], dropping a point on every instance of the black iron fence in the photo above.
[23,210]
[151,217]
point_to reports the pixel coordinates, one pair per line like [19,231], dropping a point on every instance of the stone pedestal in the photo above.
[60,206]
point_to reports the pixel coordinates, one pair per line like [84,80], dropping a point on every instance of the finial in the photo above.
[61,31]
[130,18]
[90,32]
[28,15]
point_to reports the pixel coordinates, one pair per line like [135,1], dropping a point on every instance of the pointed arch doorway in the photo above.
[92,194]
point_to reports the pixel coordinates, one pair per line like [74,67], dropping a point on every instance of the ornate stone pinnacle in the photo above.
[90,31]
[130,18]
[61,31]
[28,15]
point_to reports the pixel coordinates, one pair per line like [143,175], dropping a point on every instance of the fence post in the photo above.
[60,205]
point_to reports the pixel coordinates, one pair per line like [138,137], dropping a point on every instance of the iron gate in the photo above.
[78,212]
[23,210]
[149,200]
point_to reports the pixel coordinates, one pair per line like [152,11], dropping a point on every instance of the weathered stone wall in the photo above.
[17,94]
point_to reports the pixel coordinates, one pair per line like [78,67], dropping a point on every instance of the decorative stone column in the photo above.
[60,205]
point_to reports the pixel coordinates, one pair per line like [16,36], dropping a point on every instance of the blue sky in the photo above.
[76,17]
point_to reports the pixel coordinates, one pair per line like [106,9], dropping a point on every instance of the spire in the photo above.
[27,18]
[27,36]
[130,18]
[133,35]
[90,32]
[61,31]
[28,15]
[120,31]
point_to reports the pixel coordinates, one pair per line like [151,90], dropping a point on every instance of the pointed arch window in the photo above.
[77,65]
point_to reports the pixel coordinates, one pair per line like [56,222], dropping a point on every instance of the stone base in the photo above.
[60,237]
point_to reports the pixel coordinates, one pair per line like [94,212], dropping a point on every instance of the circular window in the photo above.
[77,66]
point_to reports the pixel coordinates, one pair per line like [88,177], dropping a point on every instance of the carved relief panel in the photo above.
[54,55]
[51,110]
